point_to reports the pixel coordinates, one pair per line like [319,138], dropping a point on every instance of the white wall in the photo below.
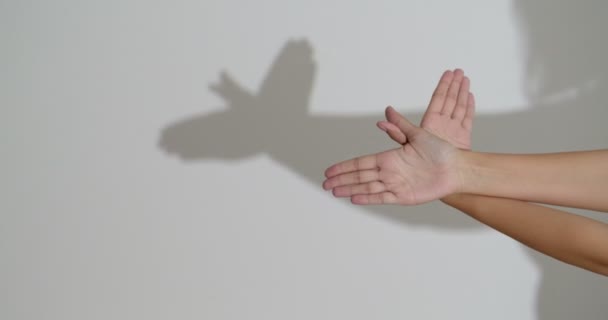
[131,191]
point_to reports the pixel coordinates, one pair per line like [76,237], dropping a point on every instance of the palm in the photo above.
[449,115]
[419,171]
[447,129]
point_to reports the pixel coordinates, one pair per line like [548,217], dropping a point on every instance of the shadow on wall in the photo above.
[566,76]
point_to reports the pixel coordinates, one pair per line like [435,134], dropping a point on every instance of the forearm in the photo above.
[573,239]
[573,179]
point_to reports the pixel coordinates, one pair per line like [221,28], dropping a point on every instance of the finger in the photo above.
[467,122]
[356,177]
[392,131]
[400,121]
[359,163]
[452,96]
[440,93]
[376,198]
[363,188]
[462,102]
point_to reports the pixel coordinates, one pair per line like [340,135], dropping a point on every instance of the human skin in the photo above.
[427,167]
[567,237]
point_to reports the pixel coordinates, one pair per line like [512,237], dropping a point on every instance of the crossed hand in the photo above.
[426,165]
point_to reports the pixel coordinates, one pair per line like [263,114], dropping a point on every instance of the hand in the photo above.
[384,177]
[422,170]
[448,116]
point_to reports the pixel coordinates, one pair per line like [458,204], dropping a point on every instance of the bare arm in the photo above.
[573,239]
[573,179]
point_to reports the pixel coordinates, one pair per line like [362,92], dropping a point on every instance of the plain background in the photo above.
[130,189]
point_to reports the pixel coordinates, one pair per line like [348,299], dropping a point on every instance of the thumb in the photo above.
[400,121]
[392,131]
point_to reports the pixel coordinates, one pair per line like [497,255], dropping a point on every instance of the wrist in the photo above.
[451,199]
[465,171]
